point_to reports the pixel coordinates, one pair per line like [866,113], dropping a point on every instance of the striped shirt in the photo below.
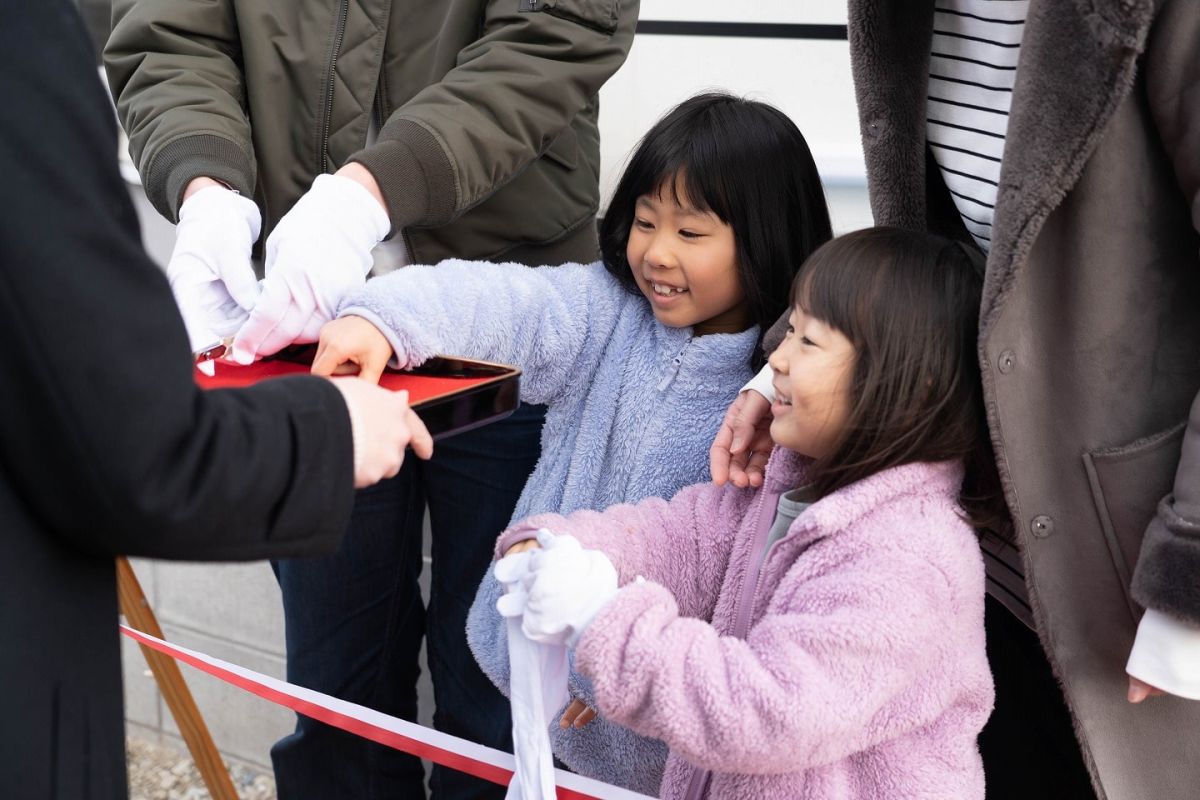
[972,69]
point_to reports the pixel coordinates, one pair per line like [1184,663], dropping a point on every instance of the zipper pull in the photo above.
[674,370]
[530,5]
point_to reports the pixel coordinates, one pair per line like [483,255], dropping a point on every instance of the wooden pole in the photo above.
[174,690]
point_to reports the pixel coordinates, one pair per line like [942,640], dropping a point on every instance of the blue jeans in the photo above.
[354,620]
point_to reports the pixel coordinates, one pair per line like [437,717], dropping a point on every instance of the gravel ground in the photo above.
[162,771]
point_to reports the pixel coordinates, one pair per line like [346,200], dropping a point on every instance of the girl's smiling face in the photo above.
[685,262]
[813,367]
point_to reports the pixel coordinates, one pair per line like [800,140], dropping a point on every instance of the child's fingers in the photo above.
[587,715]
[522,546]
[325,362]
[371,366]
[572,713]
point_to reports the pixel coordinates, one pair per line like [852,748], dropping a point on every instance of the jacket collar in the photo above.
[1078,60]
[787,469]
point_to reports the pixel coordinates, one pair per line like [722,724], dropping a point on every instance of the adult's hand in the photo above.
[319,252]
[1140,690]
[383,426]
[210,272]
[743,444]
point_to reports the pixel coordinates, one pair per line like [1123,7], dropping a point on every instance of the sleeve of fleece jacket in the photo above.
[1165,576]
[799,691]
[682,543]
[547,320]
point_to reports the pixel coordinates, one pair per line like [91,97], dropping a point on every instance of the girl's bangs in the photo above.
[688,179]
[831,290]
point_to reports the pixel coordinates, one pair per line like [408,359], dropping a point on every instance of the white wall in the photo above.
[809,80]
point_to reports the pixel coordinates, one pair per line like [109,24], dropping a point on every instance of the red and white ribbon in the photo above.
[440,748]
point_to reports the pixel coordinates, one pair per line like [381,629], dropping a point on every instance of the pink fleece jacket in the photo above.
[850,665]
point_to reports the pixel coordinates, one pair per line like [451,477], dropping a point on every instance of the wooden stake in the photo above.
[140,616]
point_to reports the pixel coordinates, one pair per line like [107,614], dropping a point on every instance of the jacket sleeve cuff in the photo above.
[763,383]
[516,534]
[1166,655]
[413,173]
[1165,577]
[173,167]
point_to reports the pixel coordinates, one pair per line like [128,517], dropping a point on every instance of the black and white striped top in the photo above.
[972,68]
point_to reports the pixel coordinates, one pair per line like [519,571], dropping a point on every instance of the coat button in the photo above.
[1006,362]
[873,128]
[1041,526]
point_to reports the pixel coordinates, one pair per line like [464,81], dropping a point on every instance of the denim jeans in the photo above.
[354,620]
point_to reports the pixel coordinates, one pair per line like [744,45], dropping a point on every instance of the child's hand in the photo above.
[350,341]
[577,714]
[521,547]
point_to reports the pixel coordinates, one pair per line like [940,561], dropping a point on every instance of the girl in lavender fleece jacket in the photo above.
[821,637]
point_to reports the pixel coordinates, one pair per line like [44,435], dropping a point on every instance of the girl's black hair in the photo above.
[909,303]
[748,164]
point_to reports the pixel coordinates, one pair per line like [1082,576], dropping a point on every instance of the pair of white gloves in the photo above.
[318,253]
[557,589]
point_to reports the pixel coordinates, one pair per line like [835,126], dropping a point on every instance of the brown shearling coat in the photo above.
[1089,337]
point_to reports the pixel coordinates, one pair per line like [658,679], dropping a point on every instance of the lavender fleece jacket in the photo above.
[852,666]
[633,407]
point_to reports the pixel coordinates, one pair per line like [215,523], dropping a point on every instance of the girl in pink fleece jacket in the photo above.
[820,637]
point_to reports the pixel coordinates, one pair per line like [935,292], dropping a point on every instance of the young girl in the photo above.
[636,355]
[821,637]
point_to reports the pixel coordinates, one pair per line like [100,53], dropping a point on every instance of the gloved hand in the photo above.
[319,252]
[558,589]
[210,273]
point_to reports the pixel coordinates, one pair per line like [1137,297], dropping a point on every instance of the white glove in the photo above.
[559,589]
[210,273]
[319,253]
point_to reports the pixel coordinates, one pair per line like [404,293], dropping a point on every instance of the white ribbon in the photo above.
[537,690]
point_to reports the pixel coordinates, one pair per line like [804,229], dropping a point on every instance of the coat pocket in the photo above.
[601,15]
[1127,484]
[564,150]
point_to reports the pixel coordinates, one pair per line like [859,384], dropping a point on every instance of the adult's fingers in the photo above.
[722,452]
[421,442]
[718,454]
[238,276]
[756,467]
[272,306]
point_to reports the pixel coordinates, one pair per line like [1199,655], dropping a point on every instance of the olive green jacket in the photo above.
[1089,336]
[486,109]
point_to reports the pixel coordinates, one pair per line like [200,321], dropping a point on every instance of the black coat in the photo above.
[106,445]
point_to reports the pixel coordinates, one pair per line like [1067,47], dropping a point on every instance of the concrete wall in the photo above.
[233,612]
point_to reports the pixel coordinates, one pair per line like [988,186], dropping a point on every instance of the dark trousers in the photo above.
[1028,745]
[354,621]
